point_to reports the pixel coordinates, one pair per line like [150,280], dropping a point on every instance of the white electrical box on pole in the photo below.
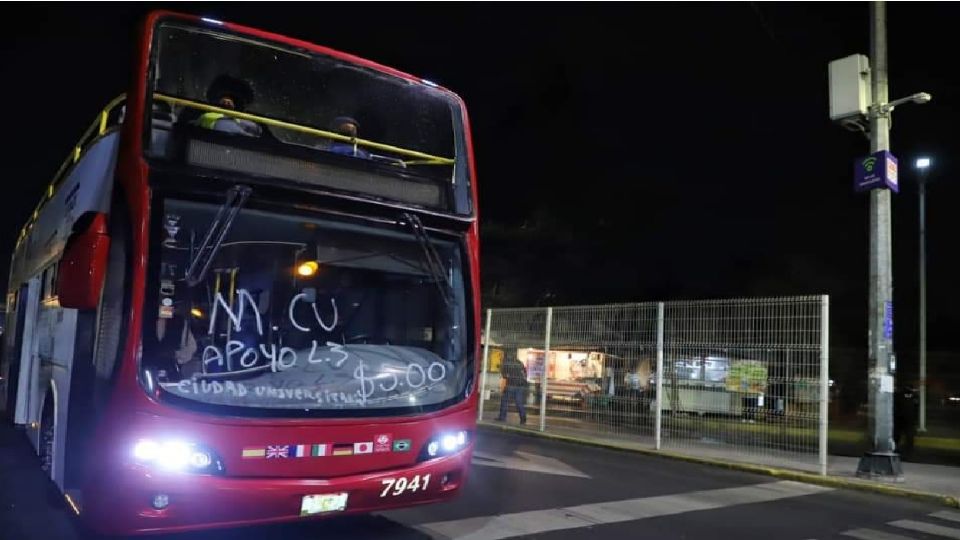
[850,95]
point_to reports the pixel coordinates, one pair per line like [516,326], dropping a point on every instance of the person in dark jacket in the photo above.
[348,127]
[906,409]
[515,375]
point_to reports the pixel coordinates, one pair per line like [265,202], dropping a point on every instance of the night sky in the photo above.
[624,152]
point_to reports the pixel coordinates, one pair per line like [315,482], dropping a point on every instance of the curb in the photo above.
[784,474]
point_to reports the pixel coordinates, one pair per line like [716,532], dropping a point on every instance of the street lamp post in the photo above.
[923,165]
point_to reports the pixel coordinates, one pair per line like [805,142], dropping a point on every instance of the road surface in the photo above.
[523,487]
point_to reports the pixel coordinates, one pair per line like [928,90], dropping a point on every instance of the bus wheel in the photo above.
[46,437]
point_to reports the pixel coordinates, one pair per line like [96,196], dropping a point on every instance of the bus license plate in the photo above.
[318,504]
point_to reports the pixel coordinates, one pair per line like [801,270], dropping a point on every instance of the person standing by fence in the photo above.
[514,388]
[906,409]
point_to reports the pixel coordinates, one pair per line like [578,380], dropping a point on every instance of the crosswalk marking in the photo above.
[911,525]
[927,528]
[948,515]
[587,515]
[871,534]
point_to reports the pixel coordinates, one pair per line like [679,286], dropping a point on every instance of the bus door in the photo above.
[25,356]
[14,339]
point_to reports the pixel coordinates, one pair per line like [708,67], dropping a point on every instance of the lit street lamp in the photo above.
[923,166]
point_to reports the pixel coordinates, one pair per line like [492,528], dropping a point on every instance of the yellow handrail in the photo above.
[423,159]
[99,127]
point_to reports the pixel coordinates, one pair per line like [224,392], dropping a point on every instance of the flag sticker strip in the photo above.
[285,451]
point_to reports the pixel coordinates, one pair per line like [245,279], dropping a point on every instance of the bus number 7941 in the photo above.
[401,485]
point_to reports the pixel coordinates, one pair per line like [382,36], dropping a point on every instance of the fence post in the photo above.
[543,376]
[486,359]
[824,379]
[659,411]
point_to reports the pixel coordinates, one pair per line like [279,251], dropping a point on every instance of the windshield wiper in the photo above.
[431,257]
[219,227]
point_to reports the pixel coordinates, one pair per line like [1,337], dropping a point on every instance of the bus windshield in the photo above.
[392,121]
[303,316]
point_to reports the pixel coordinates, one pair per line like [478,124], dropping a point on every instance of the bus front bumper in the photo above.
[127,504]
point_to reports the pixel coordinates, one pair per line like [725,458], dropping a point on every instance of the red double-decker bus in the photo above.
[250,294]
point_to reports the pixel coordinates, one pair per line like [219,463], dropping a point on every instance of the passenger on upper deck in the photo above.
[344,125]
[231,93]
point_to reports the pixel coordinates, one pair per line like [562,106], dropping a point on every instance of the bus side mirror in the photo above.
[84,263]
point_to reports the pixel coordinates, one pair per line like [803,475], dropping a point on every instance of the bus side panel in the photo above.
[91,184]
[87,188]
[49,331]
[63,359]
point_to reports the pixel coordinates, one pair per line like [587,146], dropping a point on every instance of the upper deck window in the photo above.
[402,126]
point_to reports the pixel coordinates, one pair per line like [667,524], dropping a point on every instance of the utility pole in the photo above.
[858,102]
[883,461]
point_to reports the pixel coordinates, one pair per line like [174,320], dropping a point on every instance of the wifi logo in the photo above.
[877,171]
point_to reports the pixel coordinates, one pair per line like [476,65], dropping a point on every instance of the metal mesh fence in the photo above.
[507,333]
[601,361]
[743,379]
[743,374]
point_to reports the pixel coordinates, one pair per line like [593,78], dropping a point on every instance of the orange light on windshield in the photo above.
[308,268]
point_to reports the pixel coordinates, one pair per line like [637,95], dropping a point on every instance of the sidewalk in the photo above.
[936,483]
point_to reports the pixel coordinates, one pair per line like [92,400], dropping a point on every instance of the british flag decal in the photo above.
[280,451]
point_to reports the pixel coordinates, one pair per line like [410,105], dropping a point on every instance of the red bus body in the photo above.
[117,491]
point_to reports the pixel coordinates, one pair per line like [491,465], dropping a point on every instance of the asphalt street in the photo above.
[523,487]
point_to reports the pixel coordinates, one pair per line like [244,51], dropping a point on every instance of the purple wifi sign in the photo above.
[876,171]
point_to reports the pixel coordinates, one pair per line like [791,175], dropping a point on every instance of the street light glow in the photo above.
[923,163]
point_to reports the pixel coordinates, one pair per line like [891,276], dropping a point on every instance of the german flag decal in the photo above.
[343,449]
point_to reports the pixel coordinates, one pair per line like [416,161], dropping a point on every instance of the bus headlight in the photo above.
[200,459]
[146,450]
[176,455]
[173,455]
[449,443]
[446,444]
